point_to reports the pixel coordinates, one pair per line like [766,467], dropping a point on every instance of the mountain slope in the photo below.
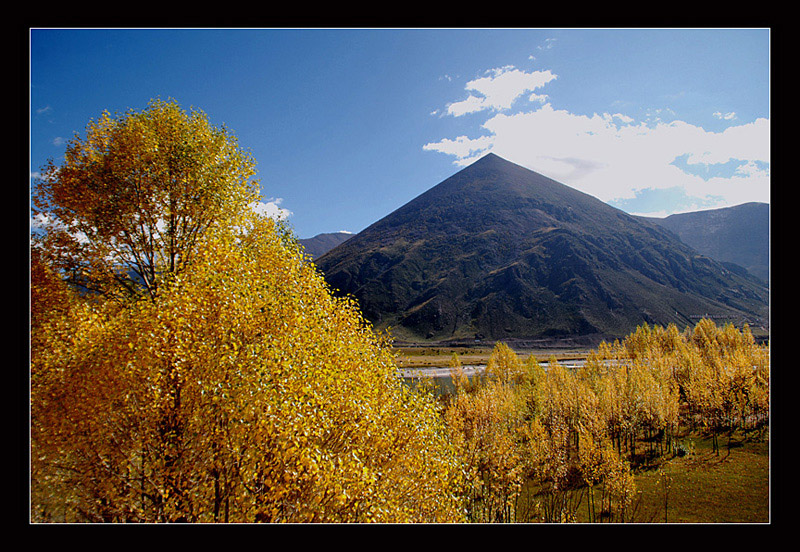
[498,251]
[737,234]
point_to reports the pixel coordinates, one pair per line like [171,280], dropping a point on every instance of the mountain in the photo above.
[322,243]
[737,234]
[497,251]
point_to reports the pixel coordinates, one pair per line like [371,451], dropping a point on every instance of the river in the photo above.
[470,369]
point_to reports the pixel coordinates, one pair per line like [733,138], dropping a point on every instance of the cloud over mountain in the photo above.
[612,156]
[272,208]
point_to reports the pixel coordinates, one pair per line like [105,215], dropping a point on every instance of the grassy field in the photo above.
[703,487]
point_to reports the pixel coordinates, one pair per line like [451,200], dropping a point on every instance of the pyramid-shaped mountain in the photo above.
[498,251]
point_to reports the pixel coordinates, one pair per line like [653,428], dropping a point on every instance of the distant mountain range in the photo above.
[497,251]
[737,234]
[322,243]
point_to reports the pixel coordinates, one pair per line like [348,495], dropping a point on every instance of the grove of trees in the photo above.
[189,364]
[539,441]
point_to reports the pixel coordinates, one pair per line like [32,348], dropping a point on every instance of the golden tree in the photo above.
[213,376]
[133,196]
[504,364]
[487,420]
[247,392]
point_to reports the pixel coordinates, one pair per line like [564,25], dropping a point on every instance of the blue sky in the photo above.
[347,124]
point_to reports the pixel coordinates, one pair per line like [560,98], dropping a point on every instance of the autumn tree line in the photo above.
[540,441]
[188,364]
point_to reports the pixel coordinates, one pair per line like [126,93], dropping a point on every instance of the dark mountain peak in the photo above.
[495,191]
[500,251]
[492,167]
[492,160]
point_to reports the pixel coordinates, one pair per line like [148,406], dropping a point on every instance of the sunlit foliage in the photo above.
[484,425]
[540,441]
[133,196]
[247,392]
[210,375]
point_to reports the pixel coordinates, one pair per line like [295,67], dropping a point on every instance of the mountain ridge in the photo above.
[497,251]
[737,234]
[318,245]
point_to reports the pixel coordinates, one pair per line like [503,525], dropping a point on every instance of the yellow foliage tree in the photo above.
[574,433]
[213,376]
[725,377]
[485,425]
[133,196]
[246,393]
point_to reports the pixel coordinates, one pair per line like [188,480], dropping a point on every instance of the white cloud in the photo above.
[548,44]
[725,116]
[272,209]
[462,147]
[752,169]
[499,90]
[42,222]
[470,105]
[611,156]
[748,142]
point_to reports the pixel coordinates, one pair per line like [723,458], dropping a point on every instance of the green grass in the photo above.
[703,487]
[732,487]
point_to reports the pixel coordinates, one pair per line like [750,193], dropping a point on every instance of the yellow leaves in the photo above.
[486,423]
[137,191]
[504,363]
[268,389]
[243,385]
[550,423]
